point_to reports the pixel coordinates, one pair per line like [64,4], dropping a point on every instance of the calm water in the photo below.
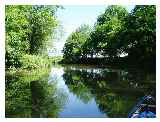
[76,91]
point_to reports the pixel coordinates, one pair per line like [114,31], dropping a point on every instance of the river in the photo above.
[76,91]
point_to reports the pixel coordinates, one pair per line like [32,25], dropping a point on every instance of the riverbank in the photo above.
[34,62]
[121,62]
[32,93]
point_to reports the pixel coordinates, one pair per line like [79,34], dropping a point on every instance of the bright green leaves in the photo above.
[116,33]
[108,27]
[42,25]
[17,27]
[74,46]
[28,31]
[113,11]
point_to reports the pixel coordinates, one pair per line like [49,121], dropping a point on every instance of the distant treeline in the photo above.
[117,36]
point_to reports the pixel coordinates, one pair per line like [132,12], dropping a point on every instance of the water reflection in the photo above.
[79,98]
[30,94]
[76,91]
[111,89]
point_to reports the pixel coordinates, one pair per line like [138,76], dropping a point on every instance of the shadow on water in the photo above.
[70,91]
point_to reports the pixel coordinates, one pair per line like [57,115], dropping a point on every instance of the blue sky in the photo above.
[72,16]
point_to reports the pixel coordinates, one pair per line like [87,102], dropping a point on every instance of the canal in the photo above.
[76,91]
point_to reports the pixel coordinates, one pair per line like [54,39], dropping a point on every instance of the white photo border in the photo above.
[76,2]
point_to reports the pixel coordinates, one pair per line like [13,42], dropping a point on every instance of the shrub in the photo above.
[34,62]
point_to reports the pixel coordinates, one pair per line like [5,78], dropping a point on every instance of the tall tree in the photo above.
[73,47]
[104,37]
[28,31]
[139,37]
[43,23]
[17,31]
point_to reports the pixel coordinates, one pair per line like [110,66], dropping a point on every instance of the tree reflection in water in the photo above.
[46,100]
[31,95]
[70,91]
[115,91]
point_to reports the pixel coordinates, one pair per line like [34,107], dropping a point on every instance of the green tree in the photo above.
[139,37]
[115,33]
[43,23]
[17,31]
[103,40]
[29,30]
[73,48]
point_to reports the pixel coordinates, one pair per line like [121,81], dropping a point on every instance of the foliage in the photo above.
[139,37]
[55,59]
[28,31]
[103,40]
[17,30]
[33,62]
[42,23]
[117,36]
[29,94]
[73,47]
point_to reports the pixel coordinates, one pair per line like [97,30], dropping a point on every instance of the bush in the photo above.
[34,62]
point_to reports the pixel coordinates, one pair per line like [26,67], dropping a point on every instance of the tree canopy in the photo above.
[116,34]
[28,31]
[74,44]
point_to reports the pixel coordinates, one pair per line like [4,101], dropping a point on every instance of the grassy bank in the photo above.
[32,62]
